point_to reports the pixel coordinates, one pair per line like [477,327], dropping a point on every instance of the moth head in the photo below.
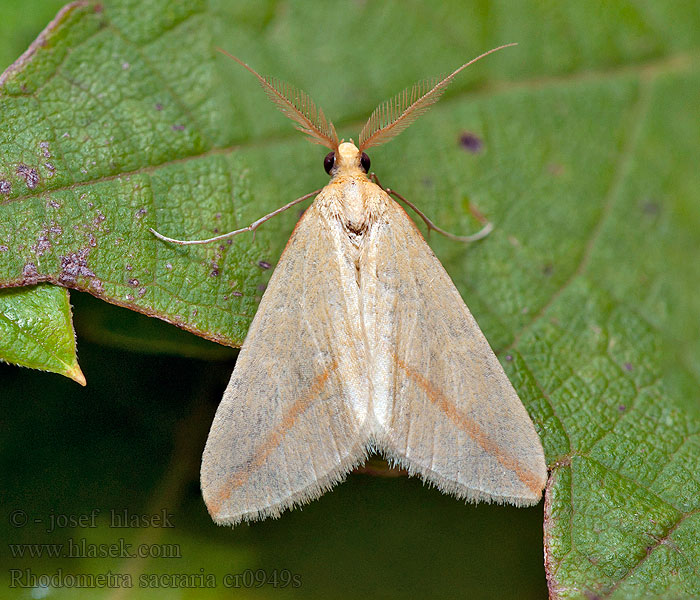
[347,159]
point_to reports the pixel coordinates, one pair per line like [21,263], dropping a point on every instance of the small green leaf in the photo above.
[36,330]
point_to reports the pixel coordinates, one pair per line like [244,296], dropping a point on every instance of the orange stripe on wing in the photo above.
[273,440]
[472,429]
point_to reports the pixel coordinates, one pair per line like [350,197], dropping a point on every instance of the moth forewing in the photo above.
[293,420]
[449,412]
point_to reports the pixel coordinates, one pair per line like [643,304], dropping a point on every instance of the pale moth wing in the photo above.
[445,407]
[293,420]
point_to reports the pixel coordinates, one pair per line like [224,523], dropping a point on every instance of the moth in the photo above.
[362,343]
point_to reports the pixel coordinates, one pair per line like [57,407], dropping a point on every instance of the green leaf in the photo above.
[32,336]
[103,141]
[581,149]
[19,33]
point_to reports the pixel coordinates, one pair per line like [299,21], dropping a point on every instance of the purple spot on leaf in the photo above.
[74,266]
[98,219]
[471,142]
[30,175]
[42,245]
[651,208]
[29,273]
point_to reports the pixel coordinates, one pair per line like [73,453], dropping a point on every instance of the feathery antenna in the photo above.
[298,106]
[393,116]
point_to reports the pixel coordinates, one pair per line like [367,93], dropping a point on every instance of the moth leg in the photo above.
[252,227]
[482,233]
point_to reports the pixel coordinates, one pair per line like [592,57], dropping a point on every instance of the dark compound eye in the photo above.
[365,162]
[328,162]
